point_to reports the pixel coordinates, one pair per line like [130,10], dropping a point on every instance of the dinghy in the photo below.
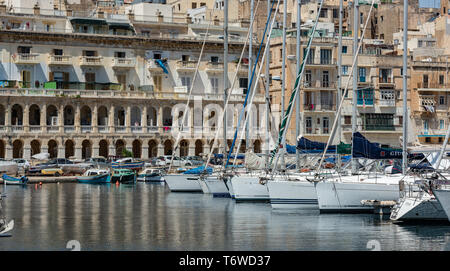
[15,181]
[95,176]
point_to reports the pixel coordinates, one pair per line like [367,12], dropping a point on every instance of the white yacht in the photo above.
[183,182]
[443,196]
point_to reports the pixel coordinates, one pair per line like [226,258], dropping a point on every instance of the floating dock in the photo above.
[49,179]
[380,207]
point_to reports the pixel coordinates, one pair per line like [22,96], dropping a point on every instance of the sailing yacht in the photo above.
[443,196]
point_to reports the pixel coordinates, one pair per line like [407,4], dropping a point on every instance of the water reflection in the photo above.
[149,217]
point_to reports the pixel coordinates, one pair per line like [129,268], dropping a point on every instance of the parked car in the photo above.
[165,161]
[52,171]
[193,161]
[54,163]
[22,163]
[96,162]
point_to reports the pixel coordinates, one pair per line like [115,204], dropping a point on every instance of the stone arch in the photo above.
[120,146]
[35,147]
[184,148]
[17,149]
[137,148]
[86,149]
[52,148]
[69,115]
[34,115]
[136,116]
[168,147]
[103,148]
[152,148]
[85,116]
[211,115]
[2,149]
[51,113]
[17,115]
[152,117]
[120,116]
[257,146]
[198,147]
[102,116]
[69,148]
[2,115]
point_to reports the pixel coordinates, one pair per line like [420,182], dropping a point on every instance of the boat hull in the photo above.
[97,179]
[217,186]
[248,188]
[299,195]
[414,209]
[14,181]
[183,183]
[124,179]
[336,197]
[443,196]
[150,178]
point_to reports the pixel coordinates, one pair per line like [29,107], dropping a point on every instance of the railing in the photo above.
[26,58]
[90,60]
[52,129]
[16,128]
[136,129]
[433,85]
[103,129]
[124,62]
[214,66]
[378,127]
[386,102]
[152,129]
[69,128]
[317,131]
[2,128]
[86,128]
[60,60]
[321,61]
[187,65]
[35,128]
[319,107]
[120,129]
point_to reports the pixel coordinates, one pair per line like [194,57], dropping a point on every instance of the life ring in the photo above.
[305,170]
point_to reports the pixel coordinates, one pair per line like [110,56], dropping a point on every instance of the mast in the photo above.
[283,81]
[405,86]
[250,53]
[355,77]
[297,105]
[339,81]
[225,78]
[267,89]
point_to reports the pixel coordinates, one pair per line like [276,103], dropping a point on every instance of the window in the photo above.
[441,124]
[156,56]
[348,120]
[58,52]
[441,79]
[119,54]
[344,70]
[23,50]
[362,74]
[378,122]
[425,80]
[344,49]
[325,79]
[215,85]
[361,18]
[326,125]
[90,80]
[325,56]
[185,57]
[323,13]
[214,59]
[186,81]
[243,83]
[400,120]
[194,5]
[385,75]
[441,100]
[420,43]
[365,97]
[310,59]
[335,13]
[308,78]
[122,80]
[308,125]
[387,97]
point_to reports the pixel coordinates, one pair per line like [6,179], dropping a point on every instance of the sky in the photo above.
[429,3]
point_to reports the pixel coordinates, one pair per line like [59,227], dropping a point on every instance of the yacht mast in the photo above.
[355,77]
[405,86]
[225,78]
[297,105]
[267,79]
[283,82]
[339,81]
[250,65]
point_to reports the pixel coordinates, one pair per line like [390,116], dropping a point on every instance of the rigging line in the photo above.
[288,113]
[333,130]
[190,92]
[248,107]
[233,82]
[251,79]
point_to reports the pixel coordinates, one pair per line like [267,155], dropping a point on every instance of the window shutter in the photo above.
[51,77]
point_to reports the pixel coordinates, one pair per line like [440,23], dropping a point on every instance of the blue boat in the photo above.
[95,176]
[12,180]
[128,163]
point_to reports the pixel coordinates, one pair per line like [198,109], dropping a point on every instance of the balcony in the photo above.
[59,60]
[16,128]
[93,61]
[186,66]
[386,103]
[214,67]
[243,68]
[123,63]
[320,131]
[137,129]
[386,82]
[103,129]
[69,129]
[26,59]
[86,128]
[152,129]
[321,62]
[319,107]
[52,129]
[154,68]
[35,129]
[427,103]
[317,84]
[120,129]
[425,86]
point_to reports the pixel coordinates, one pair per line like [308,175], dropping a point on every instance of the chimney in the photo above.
[160,17]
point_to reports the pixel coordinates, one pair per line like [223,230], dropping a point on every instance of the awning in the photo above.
[124,26]
[430,135]
[88,21]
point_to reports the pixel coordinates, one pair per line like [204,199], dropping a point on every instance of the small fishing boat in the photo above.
[5,228]
[95,176]
[128,163]
[12,180]
[150,175]
[124,176]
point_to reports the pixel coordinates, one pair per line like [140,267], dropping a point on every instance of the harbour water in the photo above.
[149,217]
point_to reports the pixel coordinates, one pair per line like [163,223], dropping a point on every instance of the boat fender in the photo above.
[262,180]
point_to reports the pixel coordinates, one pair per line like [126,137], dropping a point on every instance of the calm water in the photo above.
[149,217]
